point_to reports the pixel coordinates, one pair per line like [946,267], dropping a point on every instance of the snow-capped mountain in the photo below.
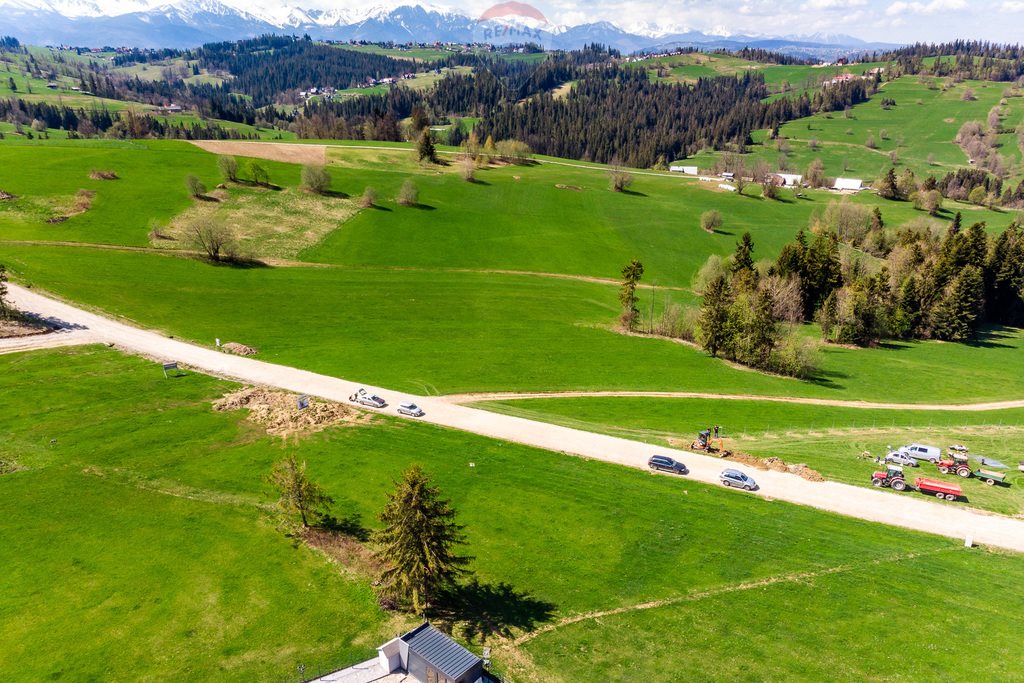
[188,23]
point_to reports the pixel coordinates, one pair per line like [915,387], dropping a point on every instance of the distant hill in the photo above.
[189,23]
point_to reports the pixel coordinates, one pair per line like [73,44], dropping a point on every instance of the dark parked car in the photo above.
[737,479]
[667,464]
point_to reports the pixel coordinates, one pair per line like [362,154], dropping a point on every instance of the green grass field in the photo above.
[162,564]
[920,129]
[395,268]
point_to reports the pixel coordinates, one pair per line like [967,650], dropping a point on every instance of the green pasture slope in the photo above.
[158,561]
[921,126]
[827,439]
[407,282]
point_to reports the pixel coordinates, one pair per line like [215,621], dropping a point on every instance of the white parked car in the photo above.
[411,409]
[365,399]
[901,458]
[921,452]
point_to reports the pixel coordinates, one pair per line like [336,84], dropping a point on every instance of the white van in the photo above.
[921,452]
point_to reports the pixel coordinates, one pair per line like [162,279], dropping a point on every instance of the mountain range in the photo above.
[189,23]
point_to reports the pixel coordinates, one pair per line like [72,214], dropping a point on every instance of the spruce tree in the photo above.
[425,148]
[713,325]
[955,316]
[887,188]
[631,275]
[419,542]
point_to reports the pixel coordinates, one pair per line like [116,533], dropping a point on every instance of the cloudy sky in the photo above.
[881,20]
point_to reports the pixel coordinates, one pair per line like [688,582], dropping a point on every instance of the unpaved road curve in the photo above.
[908,510]
[830,402]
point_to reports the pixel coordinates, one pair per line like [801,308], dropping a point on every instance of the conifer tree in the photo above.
[713,326]
[631,275]
[419,542]
[425,147]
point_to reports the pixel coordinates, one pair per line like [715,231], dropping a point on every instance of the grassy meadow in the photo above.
[164,563]
[499,266]
[920,129]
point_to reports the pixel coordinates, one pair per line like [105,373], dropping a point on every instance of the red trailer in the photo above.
[940,488]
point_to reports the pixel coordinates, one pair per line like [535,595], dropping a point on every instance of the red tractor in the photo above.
[955,463]
[892,477]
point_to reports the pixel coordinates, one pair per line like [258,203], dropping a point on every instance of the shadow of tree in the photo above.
[351,525]
[486,609]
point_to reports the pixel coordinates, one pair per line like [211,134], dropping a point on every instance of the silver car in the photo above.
[900,458]
[411,409]
[738,479]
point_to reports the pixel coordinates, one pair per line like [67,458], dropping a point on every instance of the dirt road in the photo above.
[909,510]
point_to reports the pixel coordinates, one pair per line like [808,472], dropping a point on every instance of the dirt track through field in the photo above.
[793,577]
[459,399]
[908,510]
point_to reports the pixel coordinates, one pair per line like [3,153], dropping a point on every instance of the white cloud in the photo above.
[832,4]
[932,7]
[1014,6]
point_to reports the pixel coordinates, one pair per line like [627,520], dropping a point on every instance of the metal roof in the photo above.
[443,653]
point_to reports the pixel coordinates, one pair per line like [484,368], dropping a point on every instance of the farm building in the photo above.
[790,179]
[848,185]
[688,170]
[423,655]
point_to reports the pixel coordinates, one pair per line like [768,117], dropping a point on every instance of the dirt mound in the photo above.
[777,465]
[574,188]
[97,174]
[239,349]
[7,196]
[279,412]
[806,472]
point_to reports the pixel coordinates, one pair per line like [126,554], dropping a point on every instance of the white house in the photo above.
[688,170]
[848,185]
[423,655]
[790,179]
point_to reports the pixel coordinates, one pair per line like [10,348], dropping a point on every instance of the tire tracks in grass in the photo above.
[792,577]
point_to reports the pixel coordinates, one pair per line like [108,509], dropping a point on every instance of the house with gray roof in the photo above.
[423,655]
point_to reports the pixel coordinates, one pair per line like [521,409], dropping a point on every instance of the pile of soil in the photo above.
[97,174]
[777,465]
[239,349]
[279,412]
[6,196]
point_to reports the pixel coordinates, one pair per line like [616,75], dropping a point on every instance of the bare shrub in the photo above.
[467,168]
[212,238]
[409,194]
[711,220]
[678,322]
[228,166]
[195,186]
[712,269]
[368,199]
[619,179]
[316,179]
